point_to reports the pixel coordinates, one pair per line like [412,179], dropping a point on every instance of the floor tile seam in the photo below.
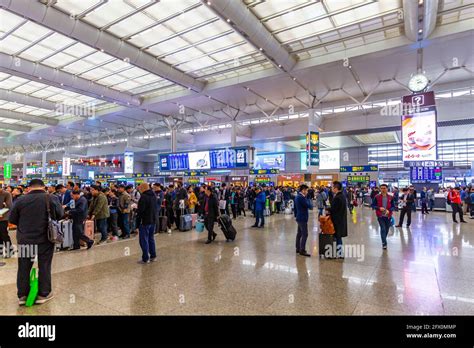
[92,301]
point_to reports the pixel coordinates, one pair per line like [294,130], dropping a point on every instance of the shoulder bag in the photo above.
[55,233]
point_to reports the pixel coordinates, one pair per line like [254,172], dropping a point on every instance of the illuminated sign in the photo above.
[263,171]
[358,178]
[428,164]
[7,170]
[270,161]
[312,149]
[227,158]
[141,175]
[351,169]
[419,130]
[128,162]
[421,175]
[195,173]
[66,166]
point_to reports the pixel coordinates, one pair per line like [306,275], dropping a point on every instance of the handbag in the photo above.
[55,232]
[222,204]
[199,226]
[33,294]
[327,227]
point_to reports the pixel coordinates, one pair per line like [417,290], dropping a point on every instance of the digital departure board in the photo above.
[424,175]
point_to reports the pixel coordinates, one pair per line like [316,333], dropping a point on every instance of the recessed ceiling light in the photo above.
[261,49]
[208,3]
[40,77]
[420,31]
[358,81]
[294,78]
[102,50]
[279,65]
[228,20]
[62,84]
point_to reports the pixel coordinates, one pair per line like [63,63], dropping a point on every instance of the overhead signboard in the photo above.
[329,159]
[263,171]
[353,169]
[358,178]
[199,160]
[66,166]
[227,158]
[445,164]
[270,161]
[312,148]
[200,173]
[7,170]
[128,162]
[419,130]
[141,175]
[425,175]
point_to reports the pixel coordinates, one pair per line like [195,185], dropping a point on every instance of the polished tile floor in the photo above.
[428,269]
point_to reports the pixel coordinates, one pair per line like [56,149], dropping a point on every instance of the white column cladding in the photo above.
[233,134]
[24,165]
[43,163]
[174,140]
[314,122]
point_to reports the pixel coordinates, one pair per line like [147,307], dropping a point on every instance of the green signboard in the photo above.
[7,170]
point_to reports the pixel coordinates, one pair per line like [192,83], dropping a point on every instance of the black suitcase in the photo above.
[163,224]
[225,223]
[327,246]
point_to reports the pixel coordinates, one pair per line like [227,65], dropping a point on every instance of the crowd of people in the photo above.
[119,211]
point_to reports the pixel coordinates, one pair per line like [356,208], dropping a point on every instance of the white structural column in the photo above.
[24,165]
[43,163]
[233,134]
[174,139]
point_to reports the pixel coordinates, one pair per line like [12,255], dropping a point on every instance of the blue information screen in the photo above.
[219,159]
[421,175]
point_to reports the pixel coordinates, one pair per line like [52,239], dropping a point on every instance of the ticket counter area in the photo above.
[263,180]
[293,180]
[323,179]
[241,181]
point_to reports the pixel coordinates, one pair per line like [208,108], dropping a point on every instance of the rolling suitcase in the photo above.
[66,227]
[194,219]
[225,223]
[163,224]
[185,222]
[89,228]
[327,246]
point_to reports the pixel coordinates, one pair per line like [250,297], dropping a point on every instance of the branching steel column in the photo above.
[89,35]
[236,13]
[44,74]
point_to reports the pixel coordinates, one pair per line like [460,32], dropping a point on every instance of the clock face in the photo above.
[418,83]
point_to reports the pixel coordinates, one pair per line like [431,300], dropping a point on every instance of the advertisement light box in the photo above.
[199,160]
[270,161]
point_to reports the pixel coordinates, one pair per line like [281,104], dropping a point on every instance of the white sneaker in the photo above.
[169,230]
[41,299]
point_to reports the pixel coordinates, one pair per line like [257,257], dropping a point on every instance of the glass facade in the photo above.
[461,152]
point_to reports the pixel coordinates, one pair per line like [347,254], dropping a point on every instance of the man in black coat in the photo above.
[338,212]
[30,215]
[146,220]
[211,213]
[181,196]
[79,215]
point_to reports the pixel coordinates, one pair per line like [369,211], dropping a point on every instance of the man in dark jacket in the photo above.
[146,218]
[259,208]
[30,215]
[159,201]
[338,212]
[79,215]
[302,206]
[181,196]
[211,213]
[99,211]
